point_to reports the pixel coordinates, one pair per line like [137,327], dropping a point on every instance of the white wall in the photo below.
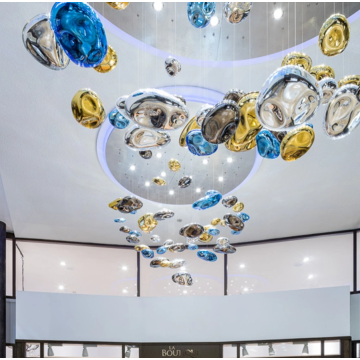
[355,316]
[281,315]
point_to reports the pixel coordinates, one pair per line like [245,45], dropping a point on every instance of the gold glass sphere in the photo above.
[88,109]
[205,237]
[147,223]
[118,5]
[191,125]
[109,62]
[174,165]
[349,79]
[165,263]
[322,71]
[141,247]
[222,223]
[334,35]
[159,181]
[215,221]
[297,143]
[239,206]
[299,59]
[113,204]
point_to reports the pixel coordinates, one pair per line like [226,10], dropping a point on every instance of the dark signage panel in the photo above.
[180,351]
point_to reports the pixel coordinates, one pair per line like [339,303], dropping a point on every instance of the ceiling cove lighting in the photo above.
[244,351]
[158,6]
[278,13]
[214,21]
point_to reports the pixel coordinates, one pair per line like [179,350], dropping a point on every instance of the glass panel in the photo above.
[131,351]
[9,269]
[358,260]
[208,278]
[285,349]
[9,351]
[230,351]
[332,347]
[77,269]
[82,350]
[32,350]
[357,350]
[292,265]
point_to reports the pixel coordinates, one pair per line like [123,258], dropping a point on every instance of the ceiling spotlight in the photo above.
[158,6]
[278,13]
[271,350]
[63,263]
[214,20]
[244,351]
[306,349]
[205,161]
[125,291]
[61,287]
[246,289]
[198,190]
[171,192]
[124,268]
[184,292]
[306,259]
[163,173]
[132,167]
[242,266]
[310,276]
[147,184]
[221,178]
[158,155]
[229,160]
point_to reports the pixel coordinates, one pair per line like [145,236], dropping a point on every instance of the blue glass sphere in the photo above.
[244,217]
[134,212]
[267,144]
[192,247]
[207,255]
[136,233]
[200,13]
[211,199]
[161,250]
[197,145]
[121,220]
[79,32]
[117,120]
[147,253]
[214,232]
[234,232]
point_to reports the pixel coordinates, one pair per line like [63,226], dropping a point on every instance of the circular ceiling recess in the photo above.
[223,171]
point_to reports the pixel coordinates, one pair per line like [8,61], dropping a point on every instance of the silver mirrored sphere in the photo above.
[229,201]
[132,239]
[155,238]
[177,263]
[201,113]
[163,214]
[172,66]
[184,182]
[182,278]
[235,12]
[224,249]
[234,222]
[329,87]
[234,95]
[145,139]
[191,230]
[128,204]
[178,247]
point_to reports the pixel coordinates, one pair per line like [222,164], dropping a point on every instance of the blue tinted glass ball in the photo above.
[214,232]
[267,144]
[161,250]
[200,13]
[121,220]
[197,145]
[133,212]
[192,247]
[148,253]
[117,120]
[79,32]
[207,255]
[211,199]
[234,232]
[134,232]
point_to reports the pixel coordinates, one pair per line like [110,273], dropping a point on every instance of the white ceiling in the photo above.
[56,189]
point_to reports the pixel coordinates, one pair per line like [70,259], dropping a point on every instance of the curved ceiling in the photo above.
[259,35]
[56,188]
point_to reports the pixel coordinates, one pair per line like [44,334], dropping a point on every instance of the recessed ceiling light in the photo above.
[132,167]
[242,266]
[63,263]
[214,20]
[310,276]
[278,13]
[246,289]
[158,155]
[163,173]
[158,6]
[147,183]
[185,292]
[221,178]
[205,161]
[124,268]
[171,192]
[61,287]
[125,291]
[198,190]
[229,160]
[306,259]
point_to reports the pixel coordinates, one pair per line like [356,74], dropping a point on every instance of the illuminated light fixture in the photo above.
[184,292]
[147,183]
[242,266]
[306,349]
[229,160]
[132,167]
[278,13]
[158,6]
[63,263]
[306,259]
[214,21]
[163,173]
[310,276]
[271,350]
[198,190]
[158,155]
[205,161]
[244,351]
[61,287]
[221,178]
[124,268]
[125,291]
[171,192]
[246,289]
